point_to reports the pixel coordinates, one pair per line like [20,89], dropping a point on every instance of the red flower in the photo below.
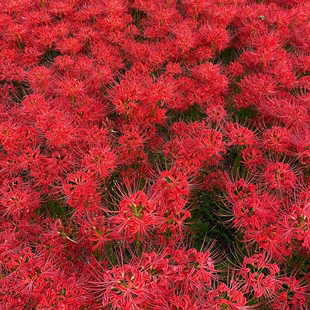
[279,176]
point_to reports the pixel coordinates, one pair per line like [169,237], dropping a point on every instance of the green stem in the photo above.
[307,174]
[19,43]
[236,165]
[138,244]
[96,254]
[125,118]
[52,208]
[183,60]
[195,15]
[113,260]
[138,18]
[154,110]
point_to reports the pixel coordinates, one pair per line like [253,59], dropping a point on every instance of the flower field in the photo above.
[154,155]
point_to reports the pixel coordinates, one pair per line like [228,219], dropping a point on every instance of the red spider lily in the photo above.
[277,139]
[259,275]
[18,200]
[99,162]
[252,157]
[225,297]
[124,287]
[126,112]
[240,135]
[292,294]
[279,176]
[81,192]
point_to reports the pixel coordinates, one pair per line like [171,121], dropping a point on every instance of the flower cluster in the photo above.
[116,116]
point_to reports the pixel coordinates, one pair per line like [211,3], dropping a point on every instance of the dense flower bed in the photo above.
[154,154]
